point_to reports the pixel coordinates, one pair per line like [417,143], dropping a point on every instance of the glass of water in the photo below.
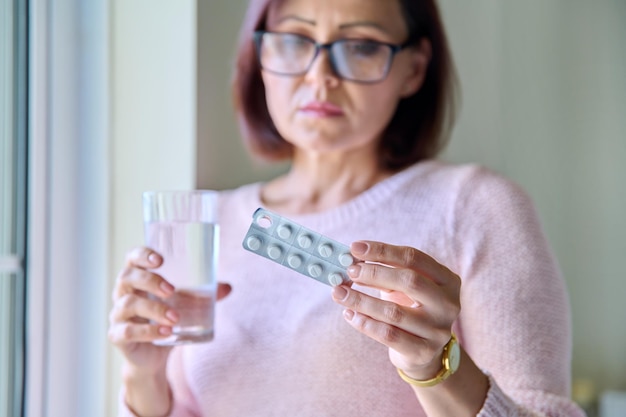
[183,227]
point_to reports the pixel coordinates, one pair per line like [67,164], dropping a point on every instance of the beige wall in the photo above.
[153,116]
[543,102]
[223,162]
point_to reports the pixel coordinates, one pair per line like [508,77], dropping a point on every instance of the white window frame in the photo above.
[68,208]
[12,200]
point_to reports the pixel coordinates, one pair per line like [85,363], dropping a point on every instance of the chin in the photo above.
[324,144]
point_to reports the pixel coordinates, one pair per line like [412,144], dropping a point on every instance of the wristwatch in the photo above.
[450,361]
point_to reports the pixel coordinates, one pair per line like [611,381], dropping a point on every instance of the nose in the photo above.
[321,71]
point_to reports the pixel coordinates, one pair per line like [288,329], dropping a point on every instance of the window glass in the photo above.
[12,203]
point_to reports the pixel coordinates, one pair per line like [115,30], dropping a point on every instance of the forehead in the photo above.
[336,14]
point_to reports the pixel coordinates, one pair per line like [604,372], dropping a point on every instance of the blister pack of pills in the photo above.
[298,248]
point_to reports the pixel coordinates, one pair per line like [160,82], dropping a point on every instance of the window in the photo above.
[66,289]
[13,124]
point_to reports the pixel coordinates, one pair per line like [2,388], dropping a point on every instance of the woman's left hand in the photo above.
[420,300]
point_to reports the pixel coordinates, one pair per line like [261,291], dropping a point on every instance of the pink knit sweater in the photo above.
[282,347]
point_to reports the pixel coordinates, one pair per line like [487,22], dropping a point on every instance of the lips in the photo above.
[321,109]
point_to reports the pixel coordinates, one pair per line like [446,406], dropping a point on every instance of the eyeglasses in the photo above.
[358,60]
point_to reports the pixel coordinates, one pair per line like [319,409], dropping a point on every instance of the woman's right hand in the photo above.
[136,320]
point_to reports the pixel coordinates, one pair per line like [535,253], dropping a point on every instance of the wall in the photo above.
[153,133]
[223,162]
[544,102]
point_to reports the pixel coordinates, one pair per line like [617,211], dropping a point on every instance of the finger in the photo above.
[138,260]
[132,279]
[400,285]
[128,332]
[144,257]
[408,281]
[412,320]
[421,350]
[223,290]
[403,257]
[132,306]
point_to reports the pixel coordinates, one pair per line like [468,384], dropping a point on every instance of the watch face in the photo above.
[454,356]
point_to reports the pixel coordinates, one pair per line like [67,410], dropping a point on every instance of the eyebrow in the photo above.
[365,23]
[342,26]
[298,18]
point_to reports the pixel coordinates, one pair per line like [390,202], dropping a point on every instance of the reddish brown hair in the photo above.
[421,124]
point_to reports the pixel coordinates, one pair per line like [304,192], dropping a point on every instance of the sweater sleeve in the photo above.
[184,403]
[515,317]
[529,404]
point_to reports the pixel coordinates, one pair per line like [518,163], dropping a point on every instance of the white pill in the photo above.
[254,243]
[315,270]
[325,250]
[335,279]
[345,259]
[284,231]
[294,261]
[274,252]
[305,241]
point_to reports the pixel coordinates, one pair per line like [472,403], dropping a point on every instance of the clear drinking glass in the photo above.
[183,227]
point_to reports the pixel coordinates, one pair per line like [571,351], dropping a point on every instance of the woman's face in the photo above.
[320,112]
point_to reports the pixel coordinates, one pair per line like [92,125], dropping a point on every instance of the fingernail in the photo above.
[165,331]
[167,288]
[359,248]
[153,258]
[354,271]
[172,316]
[339,292]
[348,314]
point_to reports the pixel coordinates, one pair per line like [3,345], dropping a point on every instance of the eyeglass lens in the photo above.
[358,60]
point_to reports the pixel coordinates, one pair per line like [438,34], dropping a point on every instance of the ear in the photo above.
[420,59]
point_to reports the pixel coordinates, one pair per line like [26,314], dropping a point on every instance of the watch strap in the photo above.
[444,374]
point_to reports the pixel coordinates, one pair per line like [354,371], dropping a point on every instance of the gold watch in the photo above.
[450,361]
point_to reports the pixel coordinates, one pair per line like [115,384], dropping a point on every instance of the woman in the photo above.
[462,310]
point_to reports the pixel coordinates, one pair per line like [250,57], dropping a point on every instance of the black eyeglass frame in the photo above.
[395,48]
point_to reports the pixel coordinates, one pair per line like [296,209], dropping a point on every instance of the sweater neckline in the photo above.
[369,199]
